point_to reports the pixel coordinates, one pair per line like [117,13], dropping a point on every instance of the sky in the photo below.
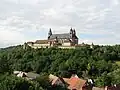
[96,21]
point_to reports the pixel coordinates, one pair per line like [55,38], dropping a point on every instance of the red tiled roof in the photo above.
[75,83]
[41,41]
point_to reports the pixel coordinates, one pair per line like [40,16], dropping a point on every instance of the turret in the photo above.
[71,32]
[50,33]
[74,32]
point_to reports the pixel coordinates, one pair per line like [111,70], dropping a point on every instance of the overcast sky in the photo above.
[96,21]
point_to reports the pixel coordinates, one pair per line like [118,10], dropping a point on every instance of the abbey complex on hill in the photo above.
[65,40]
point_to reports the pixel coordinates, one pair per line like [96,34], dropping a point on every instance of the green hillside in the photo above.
[97,63]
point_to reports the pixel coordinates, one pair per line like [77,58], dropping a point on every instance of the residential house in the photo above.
[29,75]
[75,83]
[56,81]
[20,73]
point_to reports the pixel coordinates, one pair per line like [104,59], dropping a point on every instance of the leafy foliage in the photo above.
[97,63]
[9,82]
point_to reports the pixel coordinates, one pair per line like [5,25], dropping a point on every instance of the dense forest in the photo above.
[97,63]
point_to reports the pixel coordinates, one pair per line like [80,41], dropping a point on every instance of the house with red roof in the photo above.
[75,83]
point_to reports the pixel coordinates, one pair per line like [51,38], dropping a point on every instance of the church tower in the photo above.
[74,37]
[49,33]
[71,32]
[74,32]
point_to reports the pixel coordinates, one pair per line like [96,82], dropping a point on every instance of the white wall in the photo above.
[40,45]
[67,44]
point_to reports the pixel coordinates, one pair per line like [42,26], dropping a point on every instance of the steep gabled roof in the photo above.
[56,80]
[61,36]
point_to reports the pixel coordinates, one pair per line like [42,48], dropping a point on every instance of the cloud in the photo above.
[95,20]
[10,38]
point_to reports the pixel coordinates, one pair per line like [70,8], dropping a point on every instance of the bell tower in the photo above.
[74,32]
[74,37]
[71,32]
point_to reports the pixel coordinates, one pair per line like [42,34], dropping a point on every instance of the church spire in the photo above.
[49,33]
[71,31]
[74,32]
